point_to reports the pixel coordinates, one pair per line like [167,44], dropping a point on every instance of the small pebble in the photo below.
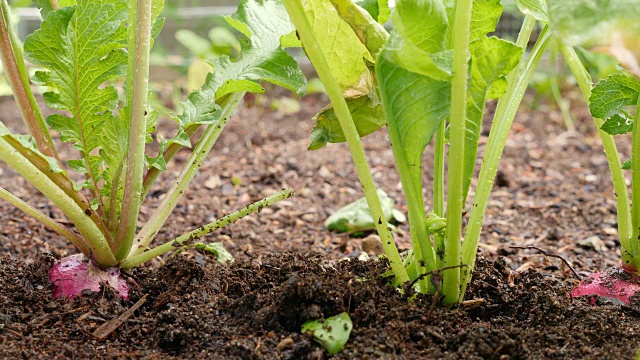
[285,344]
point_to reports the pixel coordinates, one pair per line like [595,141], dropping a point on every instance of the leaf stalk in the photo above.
[455,174]
[14,66]
[623,208]
[137,135]
[191,237]
[506,110]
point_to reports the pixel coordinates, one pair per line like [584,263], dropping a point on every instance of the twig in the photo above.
[472,302]
[545,253]
[110,326]
[436,296]
[14,332]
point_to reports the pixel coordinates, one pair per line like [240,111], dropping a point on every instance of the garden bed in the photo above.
[553,191]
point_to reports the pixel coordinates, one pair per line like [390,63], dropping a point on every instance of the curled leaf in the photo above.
[356,215]
[332,334]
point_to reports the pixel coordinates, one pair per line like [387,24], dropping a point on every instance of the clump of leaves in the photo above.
[428,78]
[86,48]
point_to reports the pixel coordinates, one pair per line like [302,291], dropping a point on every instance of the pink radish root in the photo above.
[609,285]
[74,275]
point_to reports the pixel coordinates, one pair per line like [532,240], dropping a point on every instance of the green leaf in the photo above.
[332,334]
[536,8]
[368,30]
[262,59]
[419,40]
[356,215]
[415,106]
[217,250]
[81,48]
[626,165]
[491,60]
[618,124]
[341,47]
[367,113]
[612,94]
[611,25]
[484,17]
[422,23]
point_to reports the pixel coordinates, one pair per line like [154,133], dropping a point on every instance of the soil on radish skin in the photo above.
[254,310]
[553,190]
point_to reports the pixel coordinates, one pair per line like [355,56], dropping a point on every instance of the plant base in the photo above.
[613,284]
[75,275]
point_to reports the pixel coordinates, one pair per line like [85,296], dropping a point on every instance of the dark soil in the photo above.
[553,191]
[254,310]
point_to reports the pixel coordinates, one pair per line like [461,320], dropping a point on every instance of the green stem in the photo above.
[503,118]
[613,158]
[45,220]
[137,134]
[635,186]
[422,250]
[301,23]
[191,237]
[438,191]
[99,246]
[16,71]
[199,154]
[455,174]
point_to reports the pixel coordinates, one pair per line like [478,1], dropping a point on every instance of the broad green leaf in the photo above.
[410,57]
[484,17]
[81,49]
[367,114]
[611,25]
[217,250]
[368,30]
[415,106]
[356,215]
[612,94]
[419,41]
[332,334]
[491,60]
[262,59]
[423,23]
[536,8]
[341,47]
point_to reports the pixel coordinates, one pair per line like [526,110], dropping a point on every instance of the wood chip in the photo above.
[110,326]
